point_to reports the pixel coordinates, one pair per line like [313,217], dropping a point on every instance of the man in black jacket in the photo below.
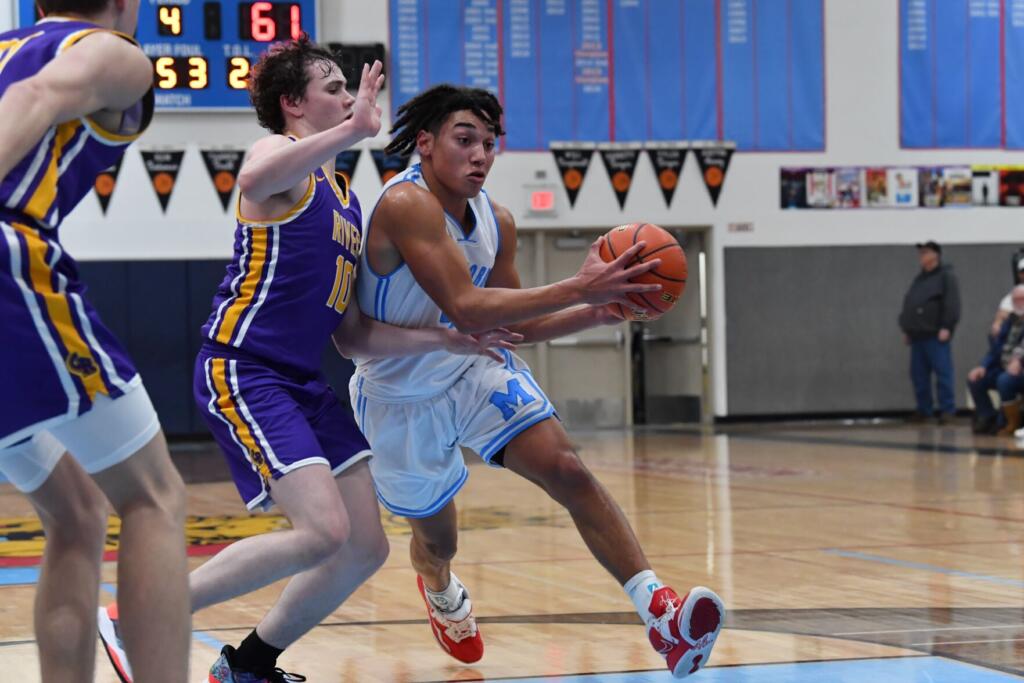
[931,310]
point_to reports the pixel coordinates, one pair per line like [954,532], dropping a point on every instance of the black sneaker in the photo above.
[223,672]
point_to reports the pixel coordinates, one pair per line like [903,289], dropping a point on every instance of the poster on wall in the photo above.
[667,159]
[106,181]
[849,188]
[793,188]
[162,167]
[931,187]
[1011,186]
[985,186]
[573,160]
[223,165]
[620,162]
[876,187]
[821,188]
[956,183]
[903,187]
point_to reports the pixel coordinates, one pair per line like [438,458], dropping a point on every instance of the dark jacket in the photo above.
[931,304]
[993,360]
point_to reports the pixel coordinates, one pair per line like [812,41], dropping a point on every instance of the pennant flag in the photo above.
[573,159]
[106,181]
[668,159]
[620,162]
[345,164]
[223,165]
[714,163]
[388,165]
[163,167]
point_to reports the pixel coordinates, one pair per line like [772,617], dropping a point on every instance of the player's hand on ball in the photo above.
[609,282]
[484,344]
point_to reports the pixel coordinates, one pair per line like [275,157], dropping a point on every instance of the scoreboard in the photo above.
[203,50]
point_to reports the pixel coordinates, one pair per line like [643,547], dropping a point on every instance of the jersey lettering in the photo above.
[508,401]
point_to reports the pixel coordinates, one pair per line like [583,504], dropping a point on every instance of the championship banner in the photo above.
[572,159]
[106,181]
[345,164]
[714,164]
[163,167]
[388,165]
[667,159]
[620,162]
[876,182]
[223,165]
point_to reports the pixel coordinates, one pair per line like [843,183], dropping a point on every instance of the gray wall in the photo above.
[813,329]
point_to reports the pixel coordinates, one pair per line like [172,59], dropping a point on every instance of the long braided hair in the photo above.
[429,110]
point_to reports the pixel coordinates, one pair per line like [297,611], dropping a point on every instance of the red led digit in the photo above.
[262,22]
[296,21]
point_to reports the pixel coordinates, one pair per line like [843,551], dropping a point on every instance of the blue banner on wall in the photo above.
[957,59]
[625,70]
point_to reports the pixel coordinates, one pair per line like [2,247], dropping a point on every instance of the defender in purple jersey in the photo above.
[76,90]
[288,290]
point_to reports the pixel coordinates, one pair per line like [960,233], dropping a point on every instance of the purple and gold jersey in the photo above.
[291,278]
[58,356]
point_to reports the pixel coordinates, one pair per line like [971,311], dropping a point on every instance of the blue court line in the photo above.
[853,554]
[18,576]
[903,669]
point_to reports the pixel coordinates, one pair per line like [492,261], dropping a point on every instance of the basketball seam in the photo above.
[642,257]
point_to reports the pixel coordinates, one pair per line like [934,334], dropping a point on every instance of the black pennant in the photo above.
[388,165]
[714,163]
[223,165]
[163,167]
[620,162]
[345,164]
[106,181]
[572,159]
[668,163]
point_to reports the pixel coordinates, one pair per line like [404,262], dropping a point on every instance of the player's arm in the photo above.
[359,335]
[275,168]
[413,221]
[545,327]
[101,72]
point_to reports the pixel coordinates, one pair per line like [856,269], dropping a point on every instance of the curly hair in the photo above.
[86,7]
[281,70]
[431,108]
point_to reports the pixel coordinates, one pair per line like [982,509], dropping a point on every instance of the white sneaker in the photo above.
[111,638]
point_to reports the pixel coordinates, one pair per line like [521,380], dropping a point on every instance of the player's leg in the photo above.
[320,525]
[74,516]
[417,469]
[148,494]
[314,594]
[119,443]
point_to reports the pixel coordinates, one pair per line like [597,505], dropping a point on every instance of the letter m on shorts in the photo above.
[508,401]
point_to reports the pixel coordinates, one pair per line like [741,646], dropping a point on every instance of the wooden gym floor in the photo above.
[844,553]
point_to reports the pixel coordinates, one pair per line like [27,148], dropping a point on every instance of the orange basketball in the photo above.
[671,274]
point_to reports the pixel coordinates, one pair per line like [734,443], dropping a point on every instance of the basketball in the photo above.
[671,274]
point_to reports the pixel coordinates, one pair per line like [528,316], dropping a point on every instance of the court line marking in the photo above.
[966,642]
[907,564]
[199,636]
[928,630]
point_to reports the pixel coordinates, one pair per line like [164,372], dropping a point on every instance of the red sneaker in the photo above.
[684,631]
[455,632]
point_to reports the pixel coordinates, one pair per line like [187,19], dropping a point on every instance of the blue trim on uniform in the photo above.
[376,299]
[497,226]
[384,301]
[435,507]
[369,221]
[361,403]
[517,428]
[476,223]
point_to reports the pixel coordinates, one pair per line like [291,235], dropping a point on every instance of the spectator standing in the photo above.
[931,311]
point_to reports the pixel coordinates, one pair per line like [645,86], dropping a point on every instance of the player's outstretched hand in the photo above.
[603,283]
[365,112]
[484,344]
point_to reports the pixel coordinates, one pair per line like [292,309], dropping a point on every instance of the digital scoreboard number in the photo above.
[203,50]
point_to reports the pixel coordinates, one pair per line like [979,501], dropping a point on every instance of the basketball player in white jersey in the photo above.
[437,253]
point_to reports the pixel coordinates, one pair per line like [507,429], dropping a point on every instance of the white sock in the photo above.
[640,588]
[451,598]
